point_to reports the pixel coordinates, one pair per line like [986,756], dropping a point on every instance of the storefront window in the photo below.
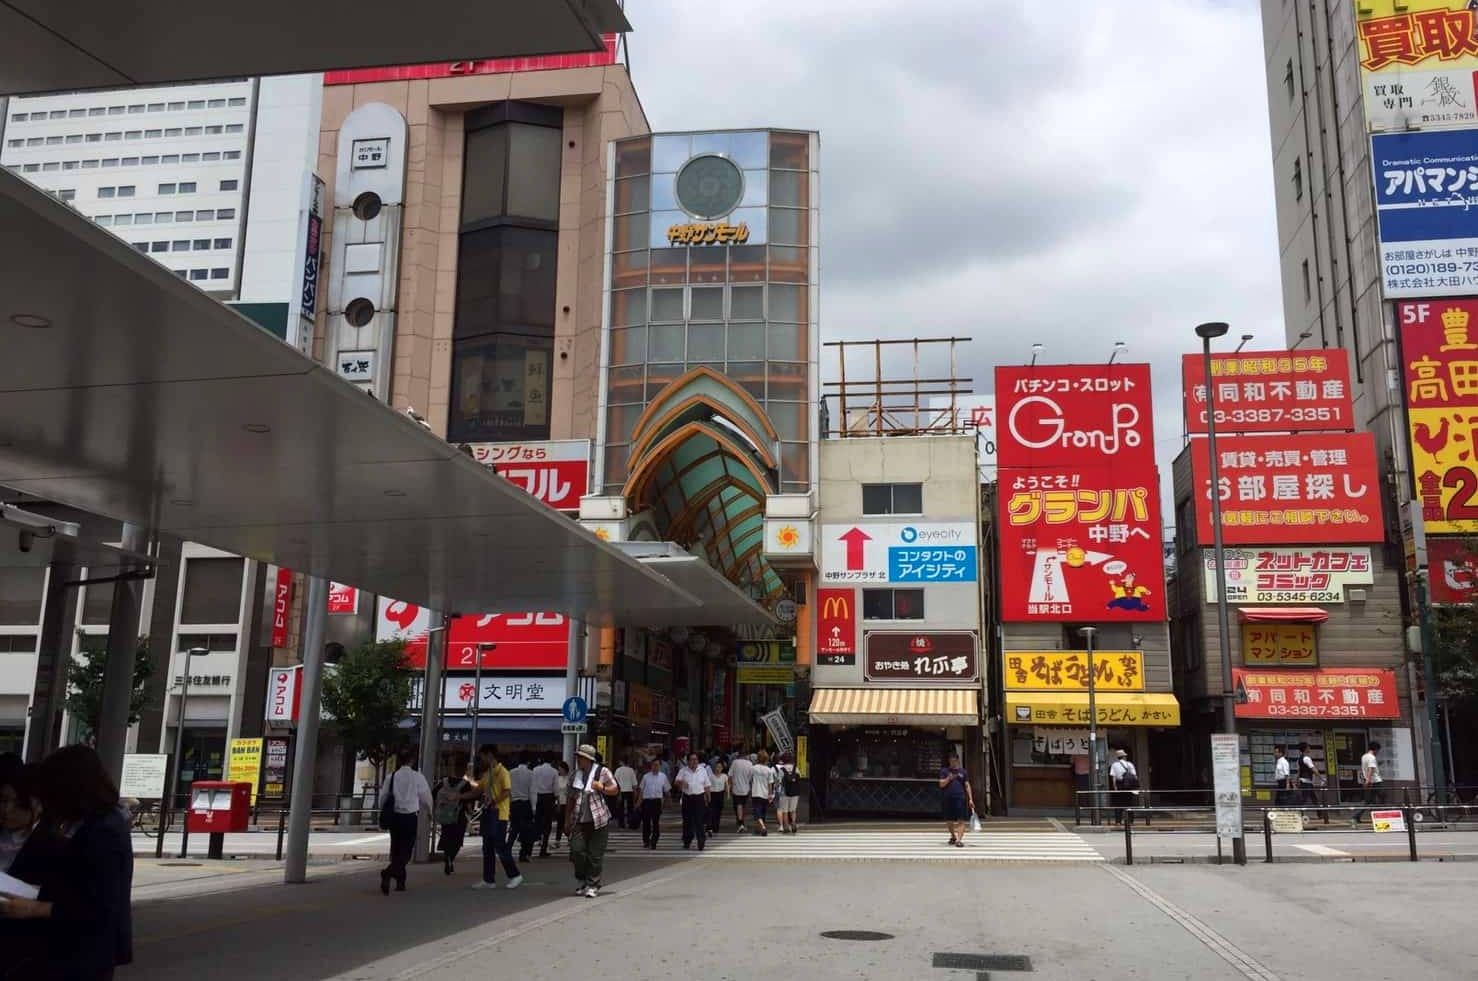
[896,754]
[1024,751]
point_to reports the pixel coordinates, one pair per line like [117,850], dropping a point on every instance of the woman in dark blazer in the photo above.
[83,908]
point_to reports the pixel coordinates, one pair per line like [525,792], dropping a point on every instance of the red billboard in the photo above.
[1315,693]
[1298,489]
[836,626]
[557,472]
[475,66]
[282,596]
[1440,357]
[342,598]
[1081,544]
[1453,568]
[525,641]
[1270,391]
[1079,415]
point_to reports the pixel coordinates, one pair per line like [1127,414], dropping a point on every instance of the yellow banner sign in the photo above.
[1289,644]
[1068,670]
[708,233]
[244,763]
[1112,709]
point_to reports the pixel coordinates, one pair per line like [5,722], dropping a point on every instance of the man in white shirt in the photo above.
[1370,778]
[696,783]
[626,780]
[521,813]
[411,795]
[653,788]
[1283,778]
[739,780]
[542,784]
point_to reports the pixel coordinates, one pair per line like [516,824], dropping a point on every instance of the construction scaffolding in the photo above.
[896,404]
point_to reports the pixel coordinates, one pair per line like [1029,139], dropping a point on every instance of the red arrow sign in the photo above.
[854,540]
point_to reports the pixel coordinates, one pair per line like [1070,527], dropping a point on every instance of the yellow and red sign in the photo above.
[836,627]
[708,233]
[1327,693]
[1289,644]
[1417,62]
[1068,670]
[1439,355]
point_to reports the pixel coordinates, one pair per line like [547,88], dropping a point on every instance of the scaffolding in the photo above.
[896,405]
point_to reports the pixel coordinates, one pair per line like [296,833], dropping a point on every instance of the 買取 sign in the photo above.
[870,552]
[1426,189]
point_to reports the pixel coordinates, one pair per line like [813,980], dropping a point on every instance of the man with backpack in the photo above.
[1124,781]
[789,794]
[450,811]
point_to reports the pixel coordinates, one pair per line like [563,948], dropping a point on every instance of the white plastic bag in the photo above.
[974,822]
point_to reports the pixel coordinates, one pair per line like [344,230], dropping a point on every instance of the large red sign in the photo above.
[529,641]
[1453,569]
[282,596]
[1319,693]
[836,626]
[1081,544]
[1299,489]
[476,66]
[1270,391]
[1439,350]
[1074,415]
[342,598]
[557,472]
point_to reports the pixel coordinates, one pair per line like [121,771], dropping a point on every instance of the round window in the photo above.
[359,312]
[366,207]
[709,186]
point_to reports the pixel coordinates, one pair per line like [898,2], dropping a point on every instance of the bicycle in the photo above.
[146,818]
[1446,807]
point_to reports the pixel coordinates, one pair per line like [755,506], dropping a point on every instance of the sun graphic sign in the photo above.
[788,537]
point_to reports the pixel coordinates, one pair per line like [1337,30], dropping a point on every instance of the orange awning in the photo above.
[1282,614]
[896,706]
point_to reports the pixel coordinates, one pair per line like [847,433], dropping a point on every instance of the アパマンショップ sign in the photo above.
[1289,575]
[935,656]
[1270,391]
[1293,489]
[1321,693]
[1074,415]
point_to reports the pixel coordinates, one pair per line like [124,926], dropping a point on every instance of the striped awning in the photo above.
[896,706]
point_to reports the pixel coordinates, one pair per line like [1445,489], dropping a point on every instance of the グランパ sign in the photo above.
[1289,575]
[936,656]
[1270,391]
[1068,670]
[1295,489]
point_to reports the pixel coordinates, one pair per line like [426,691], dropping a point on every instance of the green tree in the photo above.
[367,695]
[85,682]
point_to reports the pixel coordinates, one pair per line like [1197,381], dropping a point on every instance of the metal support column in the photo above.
[1095,759]
[430,726]
[1438,766]
[315,617]
[53,655]
[573,656]
[123,642]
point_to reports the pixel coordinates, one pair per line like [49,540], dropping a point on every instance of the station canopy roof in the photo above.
[46,46]
[127,392]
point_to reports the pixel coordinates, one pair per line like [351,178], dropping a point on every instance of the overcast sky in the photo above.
[1066,173]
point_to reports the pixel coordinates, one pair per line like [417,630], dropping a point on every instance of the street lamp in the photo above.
[179,763]
[1228,698]
[1243,343]
[475,709]
[1119,348]
[1093,759]
[1036,350]
[1301,338]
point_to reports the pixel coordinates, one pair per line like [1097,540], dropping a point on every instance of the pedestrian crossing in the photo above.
[864,846]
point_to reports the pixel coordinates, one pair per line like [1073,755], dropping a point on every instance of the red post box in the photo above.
[217,807]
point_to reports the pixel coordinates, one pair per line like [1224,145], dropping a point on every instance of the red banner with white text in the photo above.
[1270,391]
[525,641]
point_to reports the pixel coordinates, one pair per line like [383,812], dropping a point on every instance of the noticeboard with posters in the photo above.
[1417,63]
[1439,354]
[1270,391]
[1078,494]
[1301,488]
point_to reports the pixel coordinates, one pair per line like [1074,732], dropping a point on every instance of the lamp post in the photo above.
[179,762]
[1228,697]
[476,707]
[1093,758]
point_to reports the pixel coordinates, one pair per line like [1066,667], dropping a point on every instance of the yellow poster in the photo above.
[1068,670]
[244,763]
[1417,58]
[802,760]
[1289,644]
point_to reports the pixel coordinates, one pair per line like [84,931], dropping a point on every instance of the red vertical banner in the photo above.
[836,626]
[282,596]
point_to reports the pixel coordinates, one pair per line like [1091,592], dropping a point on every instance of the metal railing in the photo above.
[1449,805]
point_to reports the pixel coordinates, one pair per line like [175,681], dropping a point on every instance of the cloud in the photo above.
[1069,174]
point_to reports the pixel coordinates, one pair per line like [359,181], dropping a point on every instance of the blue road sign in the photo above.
[574,709]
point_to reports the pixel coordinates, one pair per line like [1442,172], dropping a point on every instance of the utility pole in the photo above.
[1094,759]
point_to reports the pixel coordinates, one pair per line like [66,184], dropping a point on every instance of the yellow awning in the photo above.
[895,706]
[1071,708]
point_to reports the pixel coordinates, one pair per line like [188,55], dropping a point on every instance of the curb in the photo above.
[1288,859]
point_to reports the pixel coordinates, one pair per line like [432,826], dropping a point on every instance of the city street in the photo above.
[755,919]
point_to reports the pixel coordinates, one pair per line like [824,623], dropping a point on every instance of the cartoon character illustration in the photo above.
[1128,596]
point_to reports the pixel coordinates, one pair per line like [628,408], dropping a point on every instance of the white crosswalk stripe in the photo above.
[856,846]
